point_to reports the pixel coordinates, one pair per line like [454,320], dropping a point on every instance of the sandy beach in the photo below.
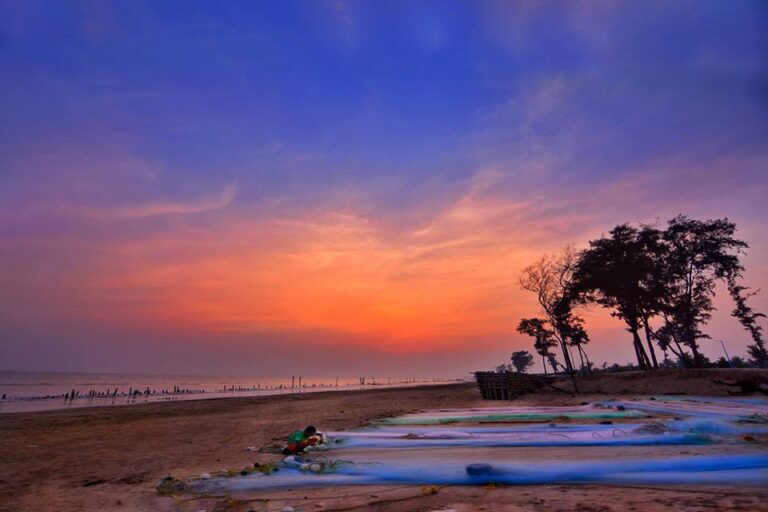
[111,458]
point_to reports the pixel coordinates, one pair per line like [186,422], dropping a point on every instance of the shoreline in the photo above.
[18,405]
[161,406]
[706,381]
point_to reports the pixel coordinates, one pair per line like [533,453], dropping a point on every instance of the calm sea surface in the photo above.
[36,391]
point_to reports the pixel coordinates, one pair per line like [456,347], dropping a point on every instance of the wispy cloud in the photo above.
[216,201]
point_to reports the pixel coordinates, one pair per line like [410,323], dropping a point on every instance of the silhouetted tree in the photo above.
[554,363]
[698,254]
[653,282]
[577,337]
[668,337]
[522,360]
[749,318]
[550,280]
[613,273]
[544,340]
[739,362]
[642,275]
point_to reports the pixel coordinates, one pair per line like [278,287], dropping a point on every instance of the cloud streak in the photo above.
[214,202]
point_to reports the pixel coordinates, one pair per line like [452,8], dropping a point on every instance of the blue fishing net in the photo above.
[748,469]
[611,438]
[410,450]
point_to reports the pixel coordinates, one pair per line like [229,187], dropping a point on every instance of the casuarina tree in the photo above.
[613,272]
[522,360]
[749,319]
[544,340]
[577,337]
[550,280]
[698,255]
[653,283]
[668,337]
[643,275]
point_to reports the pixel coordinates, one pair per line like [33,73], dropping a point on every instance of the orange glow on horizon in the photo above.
[446,282]
[453,278]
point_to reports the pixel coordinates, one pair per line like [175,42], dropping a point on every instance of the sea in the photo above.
[39,391]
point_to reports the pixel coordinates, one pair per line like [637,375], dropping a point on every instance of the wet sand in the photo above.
[105,459]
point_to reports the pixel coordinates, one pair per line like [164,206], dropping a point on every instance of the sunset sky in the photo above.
[278,187]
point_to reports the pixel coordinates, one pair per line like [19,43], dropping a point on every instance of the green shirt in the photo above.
[296,437]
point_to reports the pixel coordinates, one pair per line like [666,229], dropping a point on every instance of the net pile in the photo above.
[632,441]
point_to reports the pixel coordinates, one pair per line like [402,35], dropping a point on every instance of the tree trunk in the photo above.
[570,353]
[697,361]
[568,364]
[566,355]
[640,361]
[689,339]
[647,328]
[642,357]
[680,353]
[552,363]
[581,356]
[586,358]
[689,328]
[643,353]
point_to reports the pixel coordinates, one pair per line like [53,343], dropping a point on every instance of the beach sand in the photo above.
[110,458]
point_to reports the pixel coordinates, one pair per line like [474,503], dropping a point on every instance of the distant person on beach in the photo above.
[302,439]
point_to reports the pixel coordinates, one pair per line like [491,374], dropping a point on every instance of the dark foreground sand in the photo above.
[104,459]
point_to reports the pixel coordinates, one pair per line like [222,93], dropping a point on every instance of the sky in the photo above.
[332,187]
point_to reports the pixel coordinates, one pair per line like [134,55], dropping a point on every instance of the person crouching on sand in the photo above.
[302,439]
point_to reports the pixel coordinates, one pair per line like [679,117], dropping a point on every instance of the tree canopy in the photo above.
[544,340]
[550,279]
[522,360]
[660,282]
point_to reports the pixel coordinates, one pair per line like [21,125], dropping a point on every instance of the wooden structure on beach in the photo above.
[507,385]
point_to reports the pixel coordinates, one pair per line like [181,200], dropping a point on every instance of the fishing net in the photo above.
[743,469]
[507,445]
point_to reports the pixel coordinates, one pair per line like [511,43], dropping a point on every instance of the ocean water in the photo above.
[37,391]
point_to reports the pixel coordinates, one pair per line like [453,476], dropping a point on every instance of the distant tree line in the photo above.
[522,360]
[659,282]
